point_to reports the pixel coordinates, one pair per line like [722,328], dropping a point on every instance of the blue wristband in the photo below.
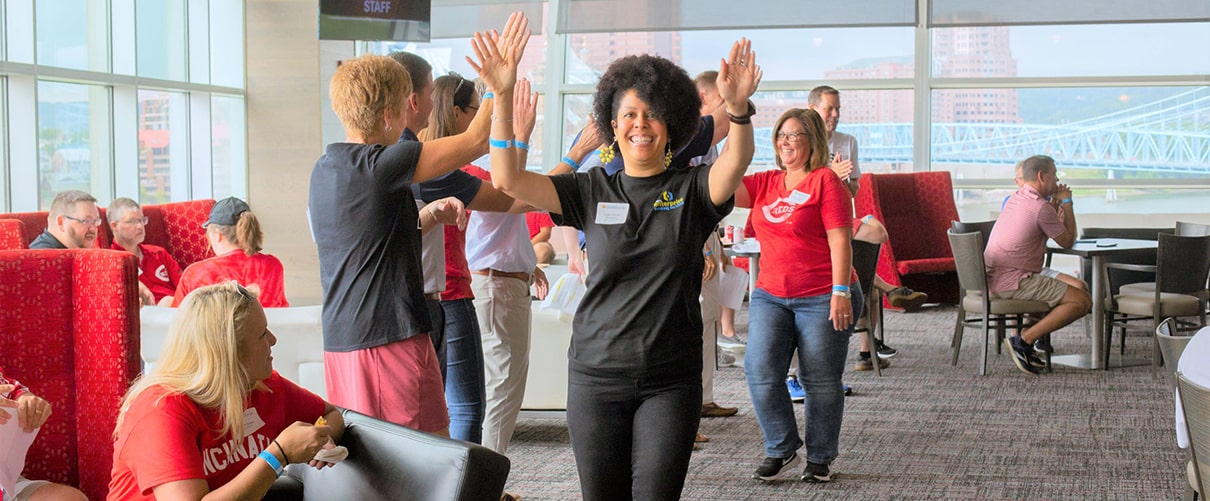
[501,143]
[487,95]
[522,145]
[1065,201]
[574,164]
[272,460]
[708,253]
[840,288]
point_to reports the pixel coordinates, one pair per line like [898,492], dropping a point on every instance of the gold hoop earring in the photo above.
[607,153]
[667,156]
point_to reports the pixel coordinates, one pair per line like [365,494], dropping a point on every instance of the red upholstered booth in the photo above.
[175,226]
[71,333]
[916,209]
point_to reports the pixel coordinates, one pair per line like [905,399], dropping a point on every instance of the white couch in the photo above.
[298,354]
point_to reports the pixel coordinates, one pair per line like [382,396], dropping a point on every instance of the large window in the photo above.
[76,116]
[73,139]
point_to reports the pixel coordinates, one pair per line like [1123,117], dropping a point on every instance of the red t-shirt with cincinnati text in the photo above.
[158,270]
[167,437]
[795,260]
[261,269]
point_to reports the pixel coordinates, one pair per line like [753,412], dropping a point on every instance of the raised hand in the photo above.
[498,54]
[590,140]
[525,110]
[738,76]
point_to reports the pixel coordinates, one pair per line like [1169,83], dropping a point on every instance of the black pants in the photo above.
[632,437]
[437,332]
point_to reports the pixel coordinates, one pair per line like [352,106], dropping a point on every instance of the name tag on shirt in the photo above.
[797,197]
[611,213]
[252,421]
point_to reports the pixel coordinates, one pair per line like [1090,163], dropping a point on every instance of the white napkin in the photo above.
[333,455]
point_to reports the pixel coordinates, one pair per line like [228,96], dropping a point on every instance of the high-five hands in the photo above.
[498,54]
[738,77]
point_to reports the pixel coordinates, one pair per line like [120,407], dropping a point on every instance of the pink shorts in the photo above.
[398,382]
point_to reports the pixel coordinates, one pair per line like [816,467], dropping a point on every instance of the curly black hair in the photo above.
[664,86]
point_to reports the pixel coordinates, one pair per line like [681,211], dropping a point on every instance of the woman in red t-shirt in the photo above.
[213,415]
[806,297]
[235,235]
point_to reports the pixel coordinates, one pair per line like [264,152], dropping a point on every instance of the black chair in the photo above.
[1182,267]
[984,227]
[972,276]
[865,263]
[388,461]
[1119,277]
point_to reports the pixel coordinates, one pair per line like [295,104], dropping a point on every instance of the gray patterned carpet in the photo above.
[928,430]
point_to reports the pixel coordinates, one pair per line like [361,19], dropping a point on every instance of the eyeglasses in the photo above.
[85,221]
[133,222]
[793,136]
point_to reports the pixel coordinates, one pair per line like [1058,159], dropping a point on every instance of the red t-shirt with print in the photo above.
[261,269]
[167,437]
[536,221]
[795,260]
[158,270]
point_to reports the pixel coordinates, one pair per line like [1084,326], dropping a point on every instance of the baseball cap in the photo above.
[226,211]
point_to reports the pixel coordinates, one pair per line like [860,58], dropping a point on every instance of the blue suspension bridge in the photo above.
[1171,136]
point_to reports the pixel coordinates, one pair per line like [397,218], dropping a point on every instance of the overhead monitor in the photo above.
[375,20]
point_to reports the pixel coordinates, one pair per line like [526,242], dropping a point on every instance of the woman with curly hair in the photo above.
[806,298]
[634,377]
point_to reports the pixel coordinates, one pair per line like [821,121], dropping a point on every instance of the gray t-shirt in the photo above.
[846,145]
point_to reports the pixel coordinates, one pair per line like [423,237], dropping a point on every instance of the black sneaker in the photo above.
[1042,345]
[772,467]
[1022,354]
[883,350]
[816,473]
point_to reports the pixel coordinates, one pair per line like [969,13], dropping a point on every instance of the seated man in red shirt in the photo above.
[540,226]
[235,236]
[31,412]
[158,270]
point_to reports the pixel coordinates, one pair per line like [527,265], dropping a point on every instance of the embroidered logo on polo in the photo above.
[668,201]
[162,273]
[781,210]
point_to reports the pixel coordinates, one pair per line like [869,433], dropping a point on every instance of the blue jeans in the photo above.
[464,388]
[776,328]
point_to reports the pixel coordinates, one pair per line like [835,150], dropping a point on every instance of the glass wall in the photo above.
[76,119]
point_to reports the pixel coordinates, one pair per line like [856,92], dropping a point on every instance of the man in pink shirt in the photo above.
[1015,250]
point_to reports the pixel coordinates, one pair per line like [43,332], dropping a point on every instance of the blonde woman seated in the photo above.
[235,235]
[213,418]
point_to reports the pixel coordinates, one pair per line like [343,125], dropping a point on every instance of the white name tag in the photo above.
[252,421]
[611,213]
[797,197]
